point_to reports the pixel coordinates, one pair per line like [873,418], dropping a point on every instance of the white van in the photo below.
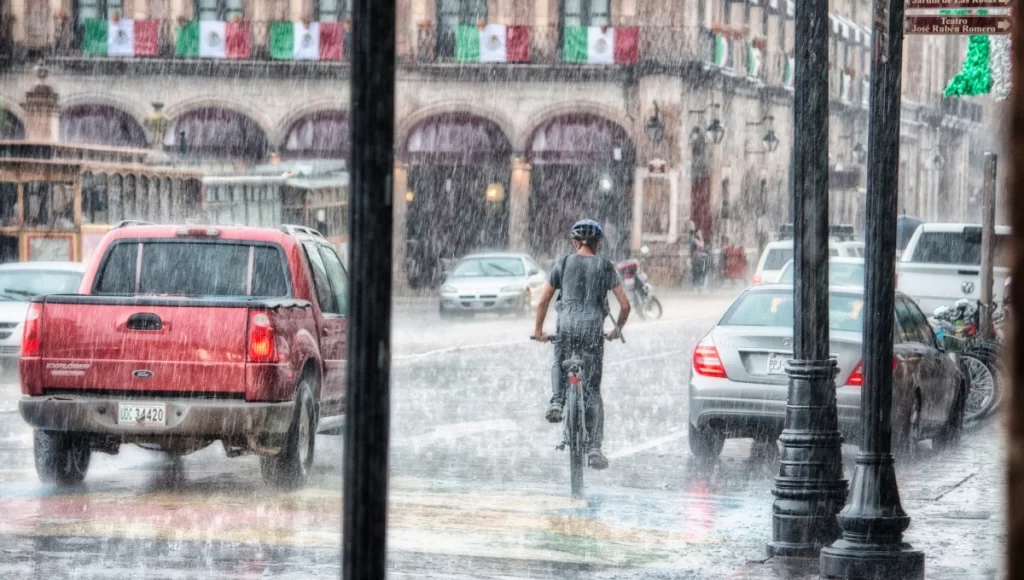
[777,254]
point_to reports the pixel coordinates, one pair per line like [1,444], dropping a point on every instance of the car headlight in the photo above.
[513,288]
[449,290]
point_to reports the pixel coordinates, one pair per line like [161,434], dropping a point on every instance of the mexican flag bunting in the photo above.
[121,37]
[789,71]
[213,39]
[302,41]
[986,69]
[492,43]
[720,54]
[601,44]
[754,59]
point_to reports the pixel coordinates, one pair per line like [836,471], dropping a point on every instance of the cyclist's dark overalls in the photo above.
[583,283]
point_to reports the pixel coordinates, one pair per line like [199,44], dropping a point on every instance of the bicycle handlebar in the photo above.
[554,338]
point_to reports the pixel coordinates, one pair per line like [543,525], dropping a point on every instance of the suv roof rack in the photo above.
[126,223]
[294,229]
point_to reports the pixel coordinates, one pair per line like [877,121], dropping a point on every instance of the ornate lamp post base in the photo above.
[847,559]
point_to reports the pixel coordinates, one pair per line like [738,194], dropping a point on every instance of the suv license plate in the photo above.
[144,414]
[776,364]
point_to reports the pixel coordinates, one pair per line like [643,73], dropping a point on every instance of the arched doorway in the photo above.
[459,171]
[320,135]
[216,134]
[582,166]
[101,125]
[11,128]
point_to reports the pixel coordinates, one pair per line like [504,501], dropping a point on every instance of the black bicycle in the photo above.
[574,431]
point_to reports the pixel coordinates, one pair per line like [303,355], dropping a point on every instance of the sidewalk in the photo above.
[955,501]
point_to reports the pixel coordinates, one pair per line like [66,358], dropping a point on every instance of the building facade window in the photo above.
[331,10]
[223,10]
[454,13]
[585,13]
[102,9]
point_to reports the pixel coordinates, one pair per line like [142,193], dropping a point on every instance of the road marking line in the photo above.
[650,444]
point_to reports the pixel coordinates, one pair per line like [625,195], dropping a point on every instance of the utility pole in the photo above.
[810,489]
[369,330]
[874,521]
[988,238]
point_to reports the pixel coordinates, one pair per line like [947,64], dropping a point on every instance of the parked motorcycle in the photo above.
[640,291]
[980,359]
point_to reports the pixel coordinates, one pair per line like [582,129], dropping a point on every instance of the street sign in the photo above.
[952,25]
[944,4]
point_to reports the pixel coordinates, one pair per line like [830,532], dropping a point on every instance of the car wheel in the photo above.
[61,458]
[910,433]
[706,444]
[290,468]
[953,430]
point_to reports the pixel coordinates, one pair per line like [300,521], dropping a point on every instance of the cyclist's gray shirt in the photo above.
[583,291]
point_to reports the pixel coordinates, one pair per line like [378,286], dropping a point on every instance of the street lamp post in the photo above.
[810,488]
[873,522]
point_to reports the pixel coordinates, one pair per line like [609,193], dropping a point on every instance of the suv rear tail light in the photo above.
[857,376]
[706,360]
[33,331]
[261,338]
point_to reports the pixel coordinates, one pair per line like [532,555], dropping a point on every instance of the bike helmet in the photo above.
[586,231]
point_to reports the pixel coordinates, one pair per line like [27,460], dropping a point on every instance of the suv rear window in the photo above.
[962,248]
[777,258]
[193,269]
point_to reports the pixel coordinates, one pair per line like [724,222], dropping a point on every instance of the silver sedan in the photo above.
[494,282]
[738,382]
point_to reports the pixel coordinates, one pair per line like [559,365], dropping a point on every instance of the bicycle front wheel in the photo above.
[574,424]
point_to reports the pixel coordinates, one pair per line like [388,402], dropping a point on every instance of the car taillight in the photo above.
[261,339]
[706,360]
[197,232]
[756,280]
[857,376]
[32,335]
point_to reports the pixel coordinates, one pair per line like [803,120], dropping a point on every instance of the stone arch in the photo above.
[409,122]
[322,133]
[179,108]
[90,123]
[12,128]
[217,133]
[136,110]
[455,138]
[534,122]
[282,125]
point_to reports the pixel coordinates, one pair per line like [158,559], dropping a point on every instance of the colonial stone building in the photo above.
[688,126]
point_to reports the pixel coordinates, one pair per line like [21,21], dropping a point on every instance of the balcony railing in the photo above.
[70,41]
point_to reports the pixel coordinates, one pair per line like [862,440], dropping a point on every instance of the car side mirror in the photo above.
[533,272]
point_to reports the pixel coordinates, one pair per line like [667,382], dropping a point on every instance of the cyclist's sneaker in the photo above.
[554,414]
[597,459]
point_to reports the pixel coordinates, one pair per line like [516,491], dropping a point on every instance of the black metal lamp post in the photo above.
[770,141]
[655,128]
[810,489]
[365,496]
[716,130]
[873,522]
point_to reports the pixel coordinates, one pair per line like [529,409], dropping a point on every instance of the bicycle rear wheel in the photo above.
[574,424]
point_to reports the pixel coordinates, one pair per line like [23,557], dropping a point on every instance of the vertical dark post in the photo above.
[369,330]
[873,521]
[810,488]
[988,238]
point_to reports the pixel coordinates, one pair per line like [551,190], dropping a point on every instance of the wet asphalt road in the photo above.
[478,489]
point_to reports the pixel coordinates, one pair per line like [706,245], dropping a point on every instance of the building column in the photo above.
[42,113]
[636,236]
[518,204]
[400,203]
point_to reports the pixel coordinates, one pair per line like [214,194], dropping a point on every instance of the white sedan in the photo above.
[494,282]
[19,282]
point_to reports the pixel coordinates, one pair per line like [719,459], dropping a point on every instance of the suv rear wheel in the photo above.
[61,458]
[290,468]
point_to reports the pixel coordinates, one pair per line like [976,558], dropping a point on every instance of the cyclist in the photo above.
[583,280]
